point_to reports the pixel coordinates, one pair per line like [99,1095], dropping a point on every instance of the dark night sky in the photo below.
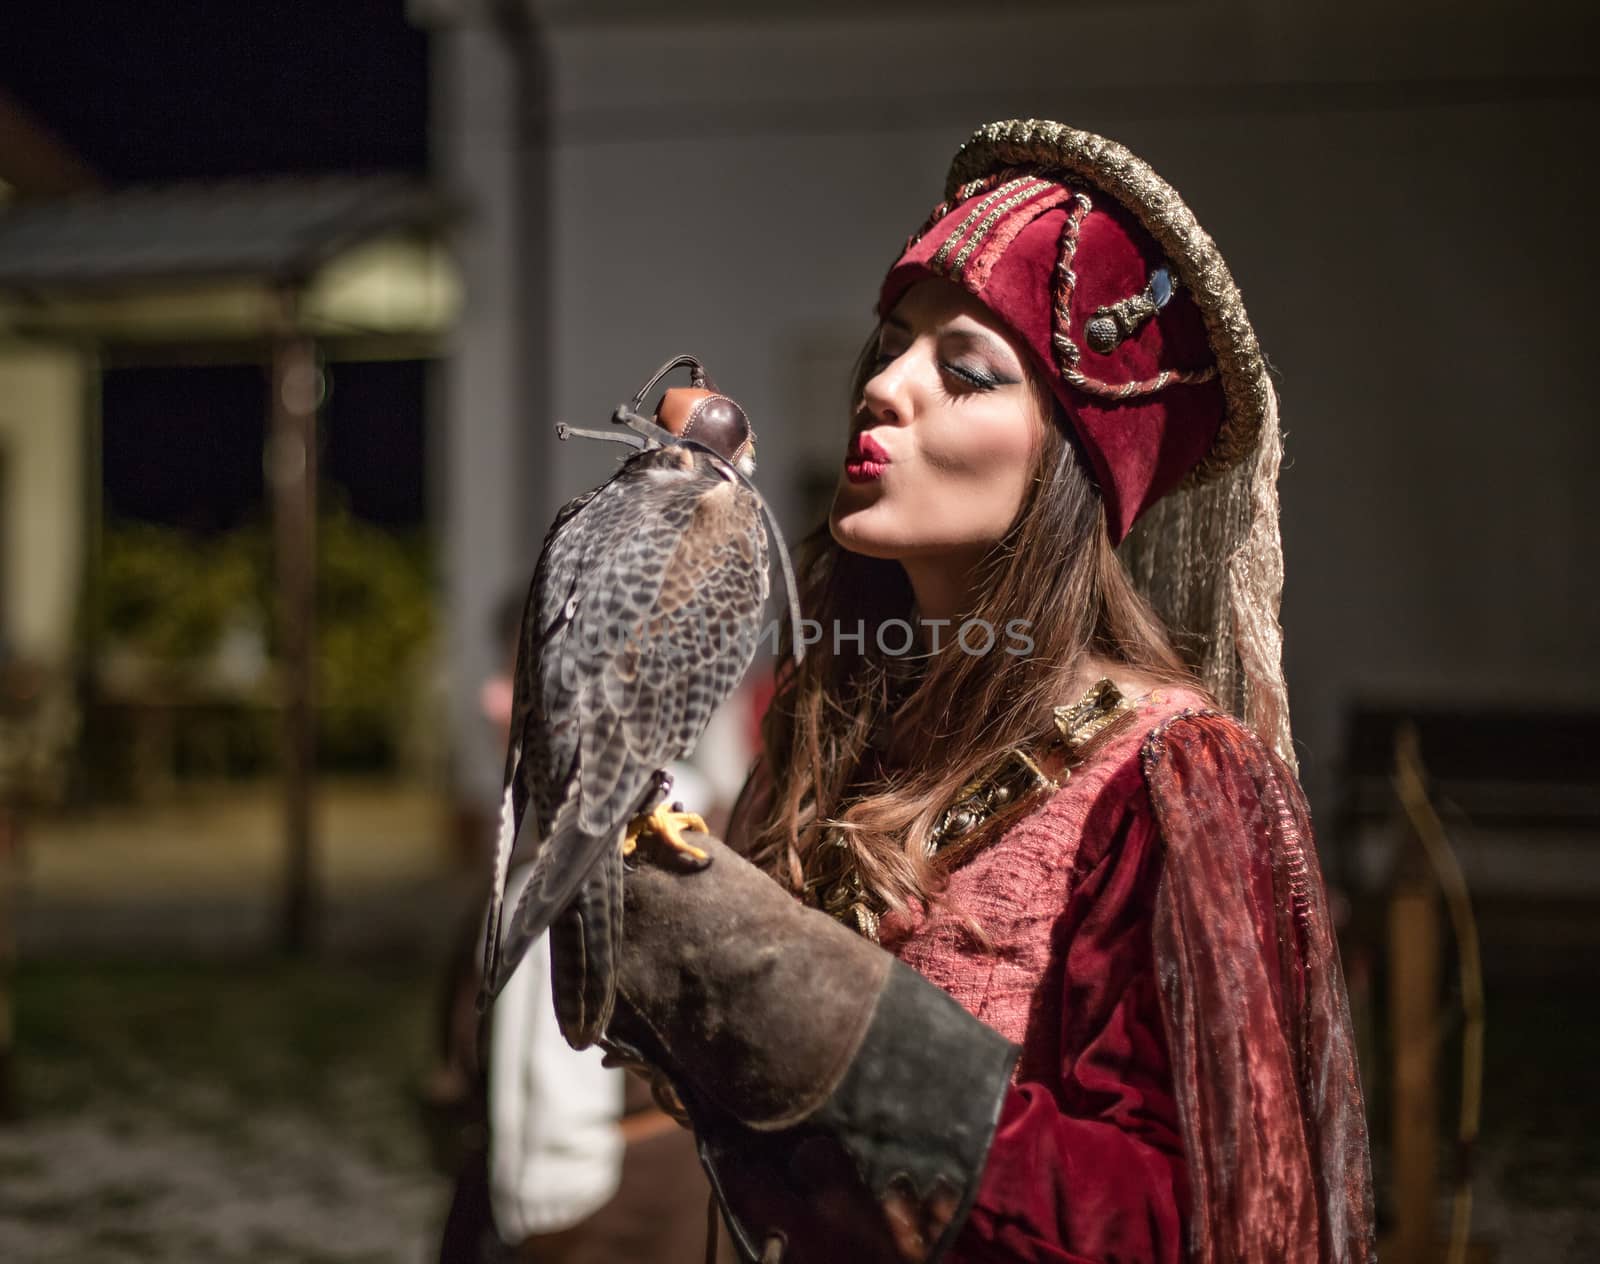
[168,89]
[159,90]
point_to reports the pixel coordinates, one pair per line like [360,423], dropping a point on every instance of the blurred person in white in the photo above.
[555,1147]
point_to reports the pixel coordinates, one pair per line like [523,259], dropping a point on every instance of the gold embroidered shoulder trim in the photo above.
[838,890]
[1090,715]
[981,800]
[997,792]
[1017,774]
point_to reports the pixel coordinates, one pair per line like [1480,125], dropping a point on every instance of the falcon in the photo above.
[643,616]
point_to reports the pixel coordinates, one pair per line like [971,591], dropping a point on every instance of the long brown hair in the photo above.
[828,763]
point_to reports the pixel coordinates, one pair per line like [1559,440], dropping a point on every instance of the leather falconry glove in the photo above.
[843,1105]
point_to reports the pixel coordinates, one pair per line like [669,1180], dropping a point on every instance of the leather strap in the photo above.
[698,377]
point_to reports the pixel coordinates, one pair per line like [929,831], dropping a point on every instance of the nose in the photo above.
[886,394]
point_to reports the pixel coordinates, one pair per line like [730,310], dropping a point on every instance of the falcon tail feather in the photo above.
[546,893]
[584,941]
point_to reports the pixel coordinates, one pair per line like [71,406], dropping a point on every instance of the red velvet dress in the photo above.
[1159,945]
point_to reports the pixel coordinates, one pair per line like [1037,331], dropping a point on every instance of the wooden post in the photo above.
[1427,877]
[1414,947]
[292,470]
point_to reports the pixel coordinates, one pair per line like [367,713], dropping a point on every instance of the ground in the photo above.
[186,1093]
[1537,1190]
[219,1112]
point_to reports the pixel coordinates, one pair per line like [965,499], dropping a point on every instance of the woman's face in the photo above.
[943,443]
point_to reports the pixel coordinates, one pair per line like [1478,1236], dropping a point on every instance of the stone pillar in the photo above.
[489,151]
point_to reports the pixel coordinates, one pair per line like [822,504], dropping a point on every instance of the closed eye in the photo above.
[974,377]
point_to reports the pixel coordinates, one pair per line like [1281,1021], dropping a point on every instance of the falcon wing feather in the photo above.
[537,624]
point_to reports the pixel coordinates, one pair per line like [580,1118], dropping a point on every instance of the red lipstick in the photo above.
[866,460]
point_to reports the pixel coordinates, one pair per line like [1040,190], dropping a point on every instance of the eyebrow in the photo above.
[983,337]
[995,346]
[975,335]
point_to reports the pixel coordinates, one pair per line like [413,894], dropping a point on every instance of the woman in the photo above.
[997,765]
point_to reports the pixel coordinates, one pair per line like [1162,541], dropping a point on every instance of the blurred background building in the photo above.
[497,214]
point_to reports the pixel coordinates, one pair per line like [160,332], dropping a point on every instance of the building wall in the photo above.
[42,409]
[1399,191]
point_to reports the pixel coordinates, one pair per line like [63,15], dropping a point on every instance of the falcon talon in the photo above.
[668,825]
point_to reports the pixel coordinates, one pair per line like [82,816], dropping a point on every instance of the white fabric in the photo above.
[690,787]
[723,755]
[555,1151]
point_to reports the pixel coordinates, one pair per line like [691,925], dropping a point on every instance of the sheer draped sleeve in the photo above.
[1208,1105]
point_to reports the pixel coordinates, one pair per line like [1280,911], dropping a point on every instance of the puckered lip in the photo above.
[864,449]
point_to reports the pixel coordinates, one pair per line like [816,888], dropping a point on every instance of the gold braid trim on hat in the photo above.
[1110,168]
[1207,556]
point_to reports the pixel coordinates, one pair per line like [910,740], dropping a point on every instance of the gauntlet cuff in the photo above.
[885,1170]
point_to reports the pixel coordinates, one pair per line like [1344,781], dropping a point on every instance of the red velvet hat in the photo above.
[1124,301]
